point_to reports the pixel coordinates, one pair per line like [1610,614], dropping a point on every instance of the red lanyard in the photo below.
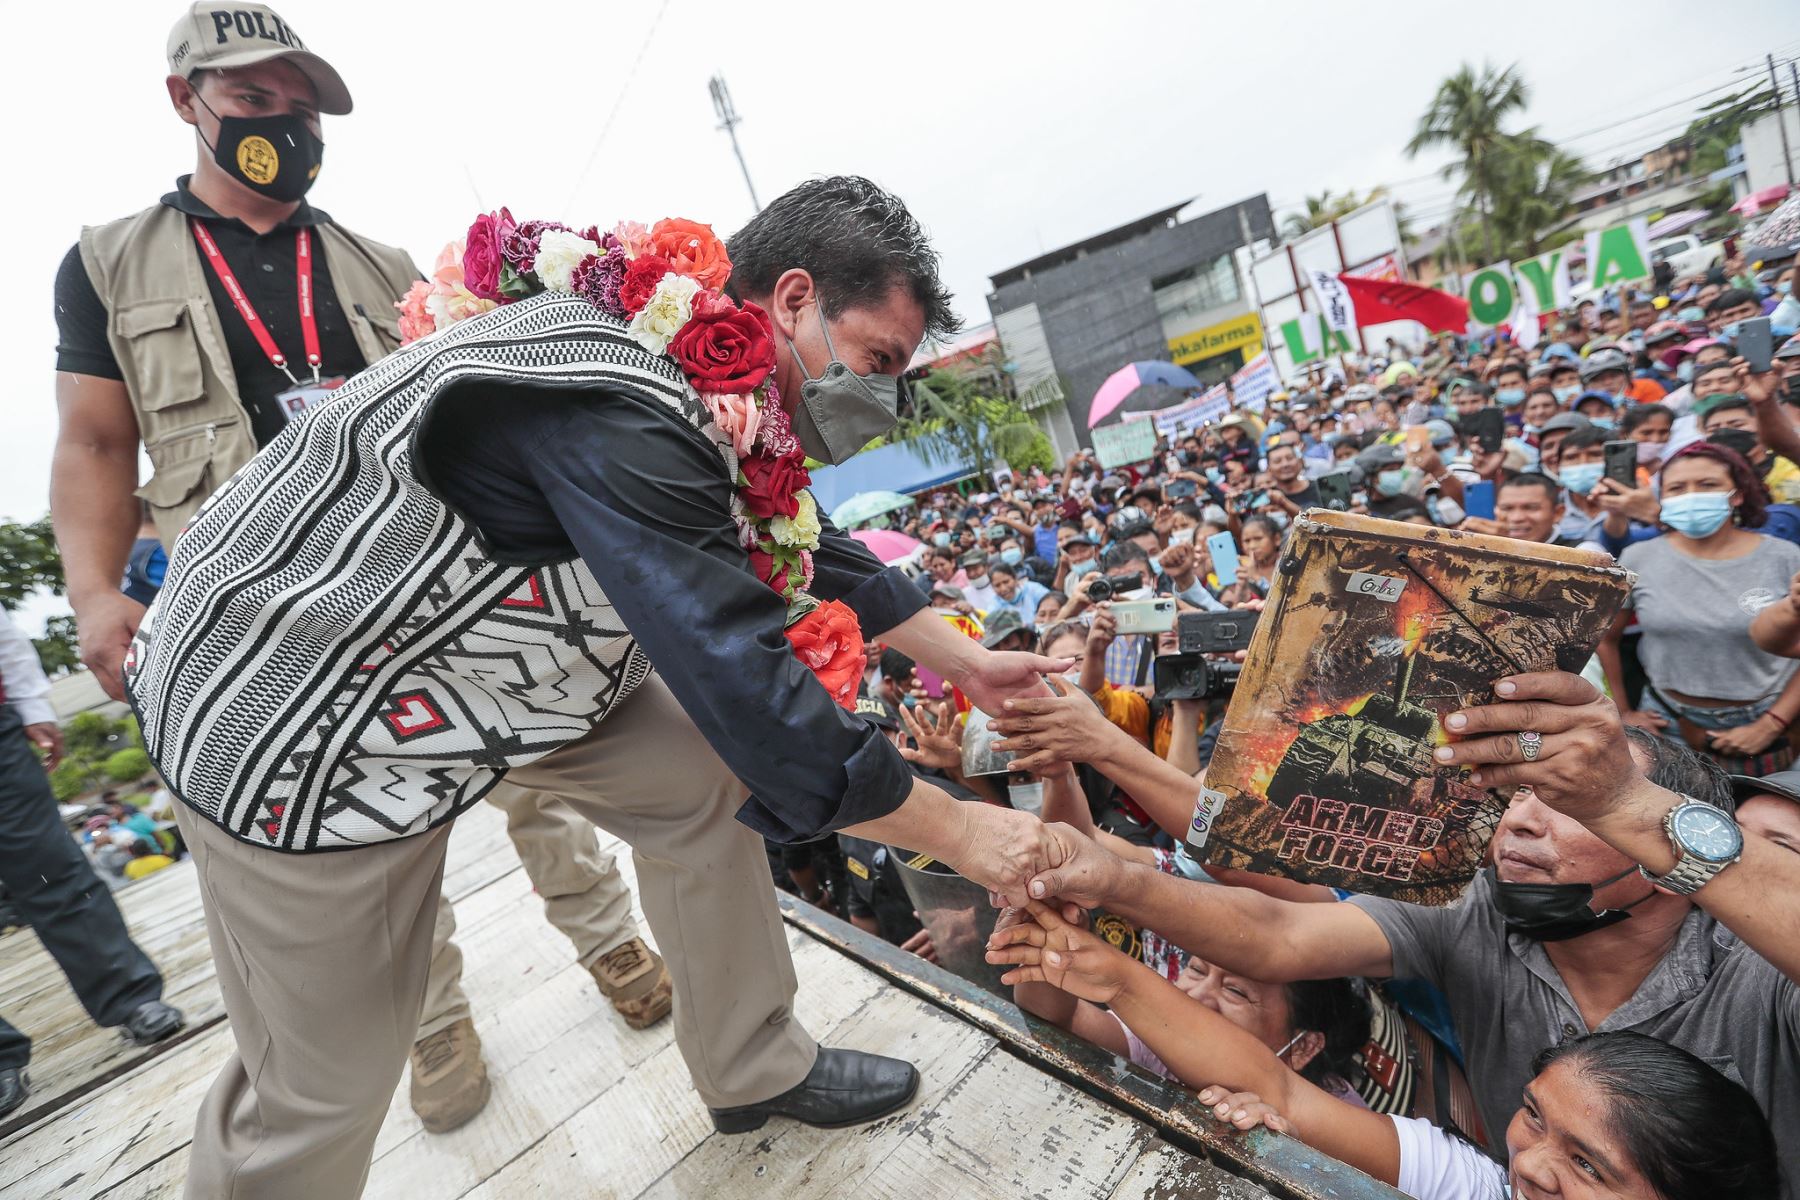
[309,329]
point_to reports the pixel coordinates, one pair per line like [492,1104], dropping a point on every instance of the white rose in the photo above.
[668,310]
[800,531]
[559,253]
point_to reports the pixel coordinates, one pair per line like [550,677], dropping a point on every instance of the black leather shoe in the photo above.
[15,1085]
[153,1021]
[845,1087]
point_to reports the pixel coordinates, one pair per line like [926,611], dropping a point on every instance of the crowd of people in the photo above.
[1310,1010]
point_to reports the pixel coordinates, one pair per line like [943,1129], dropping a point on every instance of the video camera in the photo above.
[1191,674]
[1108,586]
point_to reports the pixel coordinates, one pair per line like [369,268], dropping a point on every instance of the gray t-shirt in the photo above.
[1710,995]
[1695,616]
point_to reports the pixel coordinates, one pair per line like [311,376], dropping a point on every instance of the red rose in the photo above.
[774,484]
[830,642]
[641,278]
[481,254]
[725,349]
[767,569]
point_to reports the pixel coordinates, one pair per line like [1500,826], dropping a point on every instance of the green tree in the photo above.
[126,766]
[1324,208]
[1468,115]
[59,649]
[1536,184]
[29,561]
[953,421]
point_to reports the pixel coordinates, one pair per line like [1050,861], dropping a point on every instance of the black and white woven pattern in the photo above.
[334,660]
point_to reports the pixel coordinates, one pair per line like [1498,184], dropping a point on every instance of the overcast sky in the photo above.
[1009,128]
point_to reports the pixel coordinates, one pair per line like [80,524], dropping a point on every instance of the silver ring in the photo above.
[1530,744]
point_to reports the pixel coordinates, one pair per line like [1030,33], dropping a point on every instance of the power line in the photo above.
[618,103]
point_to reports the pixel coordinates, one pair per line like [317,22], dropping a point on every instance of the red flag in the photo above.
[1378,300]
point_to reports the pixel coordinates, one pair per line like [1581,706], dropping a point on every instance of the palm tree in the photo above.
[951,421]
[1535,183]
[1467,114]
[1325,208]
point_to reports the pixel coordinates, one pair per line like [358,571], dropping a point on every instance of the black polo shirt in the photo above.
[264,265]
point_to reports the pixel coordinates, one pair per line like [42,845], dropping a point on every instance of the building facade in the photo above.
[1156,288]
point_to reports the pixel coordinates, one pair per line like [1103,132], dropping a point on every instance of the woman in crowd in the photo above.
[1698,586]
[1609,1114]
[1649,425]
[1021,595]
[1260,542]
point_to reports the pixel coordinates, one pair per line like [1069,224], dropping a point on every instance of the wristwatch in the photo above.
[1705,839]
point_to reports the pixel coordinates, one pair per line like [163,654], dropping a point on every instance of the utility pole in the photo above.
[728,121]
[1787,158]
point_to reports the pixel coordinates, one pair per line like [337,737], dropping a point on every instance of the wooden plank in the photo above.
[629,1134]
[797,1162]
[1164,1172]
[1007,1131]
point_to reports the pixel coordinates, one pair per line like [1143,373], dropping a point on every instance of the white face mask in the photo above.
[1027,797]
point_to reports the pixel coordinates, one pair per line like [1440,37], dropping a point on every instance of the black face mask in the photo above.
[275,156]
[1555,912]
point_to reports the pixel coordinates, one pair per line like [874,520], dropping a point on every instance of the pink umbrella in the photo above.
[1128,379]
[889,545]
[1756,201]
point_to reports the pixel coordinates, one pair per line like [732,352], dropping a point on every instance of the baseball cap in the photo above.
[1441,433]
[1601,361]
[217,37]
[1699,344]
[1001,624]
[1789,348]
[1662,331]
[1785,784]
[1566,420]
[876,711]
[948,591]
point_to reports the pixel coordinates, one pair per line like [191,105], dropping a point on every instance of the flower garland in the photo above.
[666,283]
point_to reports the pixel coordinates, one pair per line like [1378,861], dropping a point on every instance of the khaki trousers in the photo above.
[583,895]
[322,958]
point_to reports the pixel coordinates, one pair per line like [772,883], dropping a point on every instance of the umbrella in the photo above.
[864,505]
[889,545]
[1128,379]
[1756,201]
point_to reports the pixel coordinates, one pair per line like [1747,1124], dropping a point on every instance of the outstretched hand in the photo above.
[1046,732]
[1048,949]
[997,676]
[1003,849]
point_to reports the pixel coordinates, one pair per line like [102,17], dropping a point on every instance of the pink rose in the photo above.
[737,417]
[633,236]
[482,254]
[415,319]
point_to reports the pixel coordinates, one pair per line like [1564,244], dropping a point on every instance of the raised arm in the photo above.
[1200,1046]
[1584,769]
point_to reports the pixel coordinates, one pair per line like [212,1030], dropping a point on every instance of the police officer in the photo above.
[199,329]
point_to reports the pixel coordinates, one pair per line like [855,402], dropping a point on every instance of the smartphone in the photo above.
[1754,343]
[1478,499]
[1180,489]
[1621,463]
[1486,427]
[1145,616]
[1224,558]
[1334,491]
[1215,632]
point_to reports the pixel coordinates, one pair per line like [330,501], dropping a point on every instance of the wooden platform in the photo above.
[583,1106]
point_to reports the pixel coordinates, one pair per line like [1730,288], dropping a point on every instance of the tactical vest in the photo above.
[165,335]
[335,658]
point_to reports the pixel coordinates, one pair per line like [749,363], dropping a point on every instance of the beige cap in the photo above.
[216,37]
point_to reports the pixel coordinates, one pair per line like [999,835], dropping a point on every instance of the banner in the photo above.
[1126,442]
[1547,277]
[1334,302]
[1214,404]
[1255,382]
[1307,338]
[1618,255]
[1378,302]
[1492,296]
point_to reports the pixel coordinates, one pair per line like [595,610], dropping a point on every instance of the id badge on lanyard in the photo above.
[302,396]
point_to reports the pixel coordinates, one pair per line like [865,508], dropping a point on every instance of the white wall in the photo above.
[1762,149]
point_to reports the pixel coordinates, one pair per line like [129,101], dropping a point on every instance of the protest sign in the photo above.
[1492,296]
[1547,277]
[1618,255]
[1254,383]
[1334,302]
[1126,442]
[1307,338]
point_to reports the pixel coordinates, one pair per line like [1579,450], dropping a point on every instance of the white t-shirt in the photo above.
[1436,1166]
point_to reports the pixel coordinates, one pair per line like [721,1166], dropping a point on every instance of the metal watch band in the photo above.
[1689,875]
